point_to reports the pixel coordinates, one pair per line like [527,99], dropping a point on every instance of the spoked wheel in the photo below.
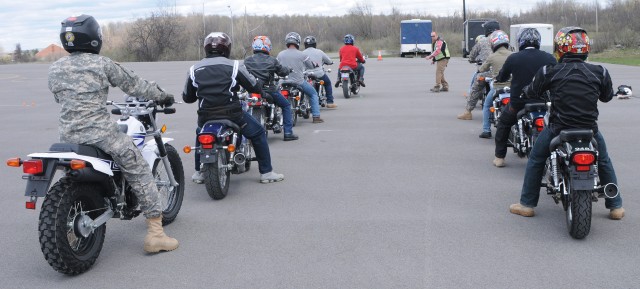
[346,91]
[258,114]
[322,96]
[217,175]
[170,196]
[307,105]
[294,110]
[578,212]
[68,249]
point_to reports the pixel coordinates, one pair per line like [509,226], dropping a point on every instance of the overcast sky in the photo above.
[36,23]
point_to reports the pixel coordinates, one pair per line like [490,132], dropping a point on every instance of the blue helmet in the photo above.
[349,39]
[261,43]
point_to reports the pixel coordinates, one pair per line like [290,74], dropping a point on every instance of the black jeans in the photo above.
[507,119]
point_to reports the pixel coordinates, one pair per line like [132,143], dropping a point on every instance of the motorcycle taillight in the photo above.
[32,167]
[206,140]
[285,93]
[505,100]
[583,160]
[539,123]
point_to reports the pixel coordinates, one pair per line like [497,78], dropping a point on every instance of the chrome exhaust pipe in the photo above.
[239,158]
[609,190]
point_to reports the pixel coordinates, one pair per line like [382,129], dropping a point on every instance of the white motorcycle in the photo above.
[93,190]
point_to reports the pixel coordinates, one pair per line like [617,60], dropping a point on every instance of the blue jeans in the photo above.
[251,129]
[535,170]
[488,102]
[307,89]
[328,88]
[287,118]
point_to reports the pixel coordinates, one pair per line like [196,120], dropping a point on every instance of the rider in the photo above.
[520,67]
[349,53]
[80,83]
[575,88]
[299,63]
[263,66]
[479,53]
[500,46]
[320,58]
[212,82]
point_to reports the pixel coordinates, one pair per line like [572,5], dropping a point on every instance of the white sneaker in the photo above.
[197,177]
[271,177]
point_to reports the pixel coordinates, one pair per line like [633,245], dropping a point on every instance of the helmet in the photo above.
[309,41]
[571,41]
[490,26]
[498,38]
[261,43]
[528,37]
[480,38]
[81,33]
[349,39]
[292,38]
[218,42]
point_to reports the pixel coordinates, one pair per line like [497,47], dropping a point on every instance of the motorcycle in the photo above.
[349,81]
[73,216]
[572,178]
[499,100]
[223,151]
[525,132]
[300,105]
[266,113]
[318,85]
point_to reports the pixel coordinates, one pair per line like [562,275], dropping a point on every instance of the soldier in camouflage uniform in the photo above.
[479,53]
[80,83]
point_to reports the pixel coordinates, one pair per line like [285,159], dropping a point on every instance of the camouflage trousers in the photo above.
[134,169]
[477,91]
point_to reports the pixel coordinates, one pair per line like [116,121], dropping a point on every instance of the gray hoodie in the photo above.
[297,61]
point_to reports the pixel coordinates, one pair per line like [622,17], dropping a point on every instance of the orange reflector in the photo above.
[14,162]
[297,97]
[321,82]
[231,148]
[32,167]
[583,168]
[77,164]
[164,128]
[492,109]
[31,205]
[186,149]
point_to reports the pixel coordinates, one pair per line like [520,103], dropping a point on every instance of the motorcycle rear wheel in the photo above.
[578,213]
[258,114]
[307,104]
[65,249]
[217,176]
[346,91]
[171,199]
[294,111]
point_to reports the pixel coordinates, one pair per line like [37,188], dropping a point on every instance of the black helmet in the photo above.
[218,42]
[528,37]
[490,26]
[309,41]
[292,38]
[81,33]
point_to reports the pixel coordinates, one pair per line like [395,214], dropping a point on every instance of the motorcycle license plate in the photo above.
[345,75]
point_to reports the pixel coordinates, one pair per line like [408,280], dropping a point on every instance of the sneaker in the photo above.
[485,134]
[290,136]
[317,119]
[337,84]
[498,162]
[271,177]
[331,105]
[197,177]
[445,88]
[521,210]
[616,214]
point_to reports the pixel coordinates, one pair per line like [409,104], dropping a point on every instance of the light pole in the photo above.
[231,18]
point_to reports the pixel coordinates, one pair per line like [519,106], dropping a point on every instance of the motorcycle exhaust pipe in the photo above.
[303,107]
[239,158]
[609,190]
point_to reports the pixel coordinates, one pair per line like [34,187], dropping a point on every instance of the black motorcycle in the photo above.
[264,110]
[524,133]
[300,105]
[349,81]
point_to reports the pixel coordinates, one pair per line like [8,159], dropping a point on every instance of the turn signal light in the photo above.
[164,128]
[32,167]
[186,149]
[321,82]
[492,109]
[231,148]
[481,78]
[14,162]
[77,164]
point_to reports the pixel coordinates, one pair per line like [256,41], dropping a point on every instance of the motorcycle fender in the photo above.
[583,180]
[150,150]
[100,165]
[37,186]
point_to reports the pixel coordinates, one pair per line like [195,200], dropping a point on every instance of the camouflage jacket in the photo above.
[481,51]
[80,83]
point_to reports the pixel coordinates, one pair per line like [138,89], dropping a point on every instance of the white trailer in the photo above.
[546,33]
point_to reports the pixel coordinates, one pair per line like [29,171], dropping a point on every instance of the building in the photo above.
[51,53]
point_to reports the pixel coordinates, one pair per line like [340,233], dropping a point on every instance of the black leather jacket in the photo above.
[263,66]
[575,88]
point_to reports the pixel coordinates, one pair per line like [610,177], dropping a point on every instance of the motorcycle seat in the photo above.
[289,86]
[84,150]
[569,135]
[226,122]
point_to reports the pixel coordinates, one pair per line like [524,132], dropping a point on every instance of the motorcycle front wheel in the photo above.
[217,176]
[171,197]
[578,213]
[65,205]
[346,91]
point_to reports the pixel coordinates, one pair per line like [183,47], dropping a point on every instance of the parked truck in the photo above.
[546,35]
[472,28]
[415,37]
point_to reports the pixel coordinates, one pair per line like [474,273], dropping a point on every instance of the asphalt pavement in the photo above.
[392,191]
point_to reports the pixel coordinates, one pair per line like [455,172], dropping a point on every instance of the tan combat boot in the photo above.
[521,210]
[156,240]
[466,115]
[435,88]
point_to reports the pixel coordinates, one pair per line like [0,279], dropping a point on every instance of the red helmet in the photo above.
[572,41]
[218,42]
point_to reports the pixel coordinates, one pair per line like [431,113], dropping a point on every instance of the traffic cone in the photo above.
[379,55]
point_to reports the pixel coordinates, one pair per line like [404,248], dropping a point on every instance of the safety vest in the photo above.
[444,50]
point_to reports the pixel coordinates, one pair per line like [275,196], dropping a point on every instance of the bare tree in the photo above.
[156,35]
[362,18]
